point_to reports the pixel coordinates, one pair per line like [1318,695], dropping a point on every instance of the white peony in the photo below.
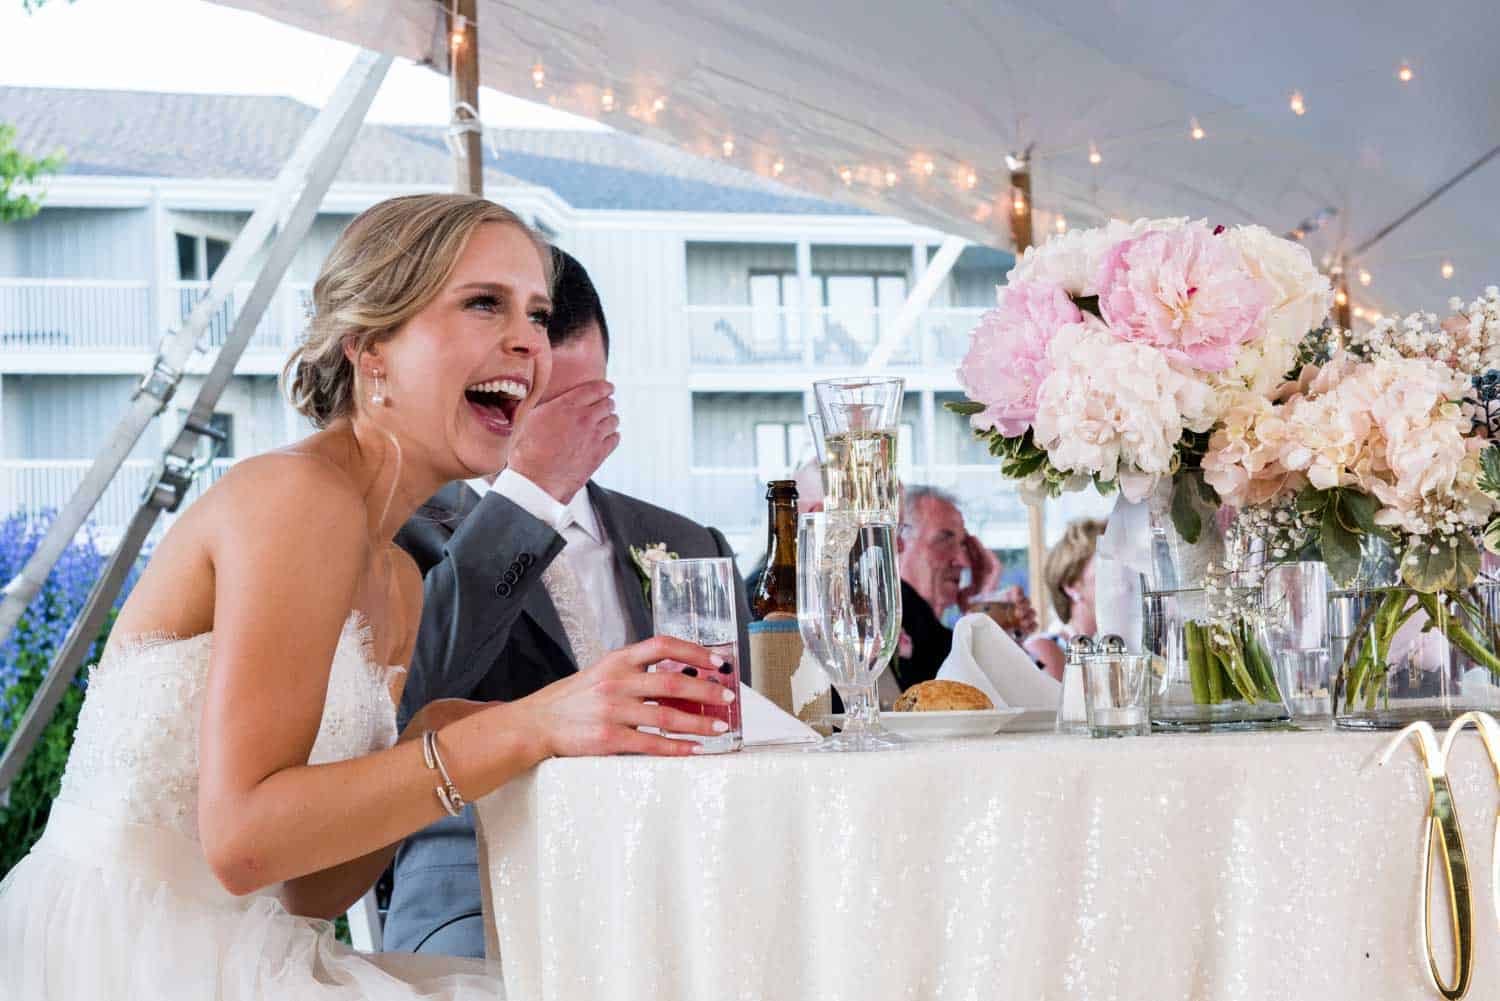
[1300,294]
[1116,409]
[1073,259]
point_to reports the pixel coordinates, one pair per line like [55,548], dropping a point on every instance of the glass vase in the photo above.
[1404,656]
[1204,620]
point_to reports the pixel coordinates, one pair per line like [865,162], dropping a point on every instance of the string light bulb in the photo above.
[1094,156]
[458,31]
[538,75]
[659,105]
[1197,130]
[890,178]
[778,168]
[846,175]
[1359,313]
[1365,278]
[1404,74]
[1341,297]
[607,100]
[1299,106]
[971,180]
[1447,269]
[1376,317]
[1062,224]
[728,147]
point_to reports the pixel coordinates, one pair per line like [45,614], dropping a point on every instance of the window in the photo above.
[781,447]
[198,257]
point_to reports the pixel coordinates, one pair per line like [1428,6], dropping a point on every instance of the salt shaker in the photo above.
[1071,715]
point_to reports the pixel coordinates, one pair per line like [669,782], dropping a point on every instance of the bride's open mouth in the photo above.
[494,403]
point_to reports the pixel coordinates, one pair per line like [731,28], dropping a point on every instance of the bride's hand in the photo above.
[597,710]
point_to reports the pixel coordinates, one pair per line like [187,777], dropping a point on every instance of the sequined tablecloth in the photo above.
[1271,867]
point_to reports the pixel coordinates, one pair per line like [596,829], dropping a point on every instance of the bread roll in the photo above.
[939,696]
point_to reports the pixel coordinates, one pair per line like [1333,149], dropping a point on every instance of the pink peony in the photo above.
[1007,357]
[1186,292]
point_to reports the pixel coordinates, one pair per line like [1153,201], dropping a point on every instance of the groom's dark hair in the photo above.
[574,302]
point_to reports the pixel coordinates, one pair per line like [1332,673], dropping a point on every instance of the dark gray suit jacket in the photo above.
[490,632]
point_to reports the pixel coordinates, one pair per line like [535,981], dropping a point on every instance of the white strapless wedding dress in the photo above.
[117,902]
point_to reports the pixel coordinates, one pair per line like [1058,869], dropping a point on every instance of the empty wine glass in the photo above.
[849,613]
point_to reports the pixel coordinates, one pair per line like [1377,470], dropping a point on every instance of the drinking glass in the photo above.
[861,418]
[1297,622]
[1117,694]
[849,612]
[815,425]
[693,600]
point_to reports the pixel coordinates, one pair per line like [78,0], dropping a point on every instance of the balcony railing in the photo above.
[37,485]
[827,336]
[59,315]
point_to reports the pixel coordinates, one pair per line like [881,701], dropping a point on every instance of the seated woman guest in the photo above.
[237,772]
[1068,572]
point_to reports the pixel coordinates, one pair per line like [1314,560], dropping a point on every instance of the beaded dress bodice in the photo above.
[135,754]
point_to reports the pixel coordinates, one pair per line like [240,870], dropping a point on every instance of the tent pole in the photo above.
[311,169]
[464,130]
[1036,514]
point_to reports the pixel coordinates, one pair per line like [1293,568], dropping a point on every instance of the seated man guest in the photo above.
[935,551]
[1069,574]
[525,581]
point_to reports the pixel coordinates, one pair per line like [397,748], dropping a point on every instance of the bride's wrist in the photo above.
[515,732]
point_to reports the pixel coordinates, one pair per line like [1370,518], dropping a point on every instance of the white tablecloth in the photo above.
[1271,867]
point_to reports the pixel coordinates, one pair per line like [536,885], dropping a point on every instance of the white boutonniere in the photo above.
[645,558]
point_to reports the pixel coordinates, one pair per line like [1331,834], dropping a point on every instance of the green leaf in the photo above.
[1492,535]
[1428,571]
[965,408]
[1360,508]
[1341,550]
[1467,553]
[1023,466]
[1489,471]
[1207,494]
[1185,516]
[1311,500]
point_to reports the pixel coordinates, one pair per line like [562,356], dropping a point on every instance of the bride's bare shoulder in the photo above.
[289,483]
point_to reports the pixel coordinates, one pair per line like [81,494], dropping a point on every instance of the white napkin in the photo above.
[985,656]
[762,722]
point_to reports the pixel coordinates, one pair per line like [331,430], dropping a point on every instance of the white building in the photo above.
[727,295]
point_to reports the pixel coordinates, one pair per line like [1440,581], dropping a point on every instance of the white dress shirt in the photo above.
[588,550]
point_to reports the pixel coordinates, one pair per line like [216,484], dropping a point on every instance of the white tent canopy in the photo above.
[894,105]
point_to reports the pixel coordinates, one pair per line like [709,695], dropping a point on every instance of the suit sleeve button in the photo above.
[526,559]
[511,577]
[502,589]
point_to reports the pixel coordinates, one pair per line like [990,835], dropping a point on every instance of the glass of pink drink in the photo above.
[694,600]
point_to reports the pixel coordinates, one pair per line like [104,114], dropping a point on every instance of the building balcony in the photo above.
[36,485]
[79,325]
[823,337]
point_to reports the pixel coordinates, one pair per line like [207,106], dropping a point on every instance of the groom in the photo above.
[524,579]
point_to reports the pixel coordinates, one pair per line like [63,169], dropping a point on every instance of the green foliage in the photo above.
[1191,497]
[17,168]
[1343,518]
[1441,566]
[24,817]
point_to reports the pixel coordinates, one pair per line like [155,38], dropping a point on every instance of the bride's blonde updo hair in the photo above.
[389,263]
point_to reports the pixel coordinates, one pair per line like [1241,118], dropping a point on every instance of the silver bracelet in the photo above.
[447,793]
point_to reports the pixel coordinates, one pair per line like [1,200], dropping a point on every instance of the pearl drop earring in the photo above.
[378,397]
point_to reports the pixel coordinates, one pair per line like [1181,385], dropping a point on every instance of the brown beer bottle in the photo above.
[777,588]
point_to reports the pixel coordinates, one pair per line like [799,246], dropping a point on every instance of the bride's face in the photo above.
[463,372]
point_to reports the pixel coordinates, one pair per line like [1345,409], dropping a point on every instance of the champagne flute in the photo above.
[860,419]
[849,613]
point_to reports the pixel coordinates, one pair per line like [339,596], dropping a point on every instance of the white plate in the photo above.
[944,725]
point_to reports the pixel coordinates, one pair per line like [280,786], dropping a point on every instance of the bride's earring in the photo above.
[378,397]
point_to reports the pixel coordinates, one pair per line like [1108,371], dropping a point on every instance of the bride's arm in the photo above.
[286,564]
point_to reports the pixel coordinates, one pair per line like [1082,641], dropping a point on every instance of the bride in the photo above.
[236,773]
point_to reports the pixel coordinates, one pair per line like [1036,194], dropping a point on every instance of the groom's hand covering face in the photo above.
[566,438]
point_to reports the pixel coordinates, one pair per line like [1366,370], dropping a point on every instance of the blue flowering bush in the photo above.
[24,658]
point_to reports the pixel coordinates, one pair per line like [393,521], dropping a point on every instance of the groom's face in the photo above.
[577,360]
